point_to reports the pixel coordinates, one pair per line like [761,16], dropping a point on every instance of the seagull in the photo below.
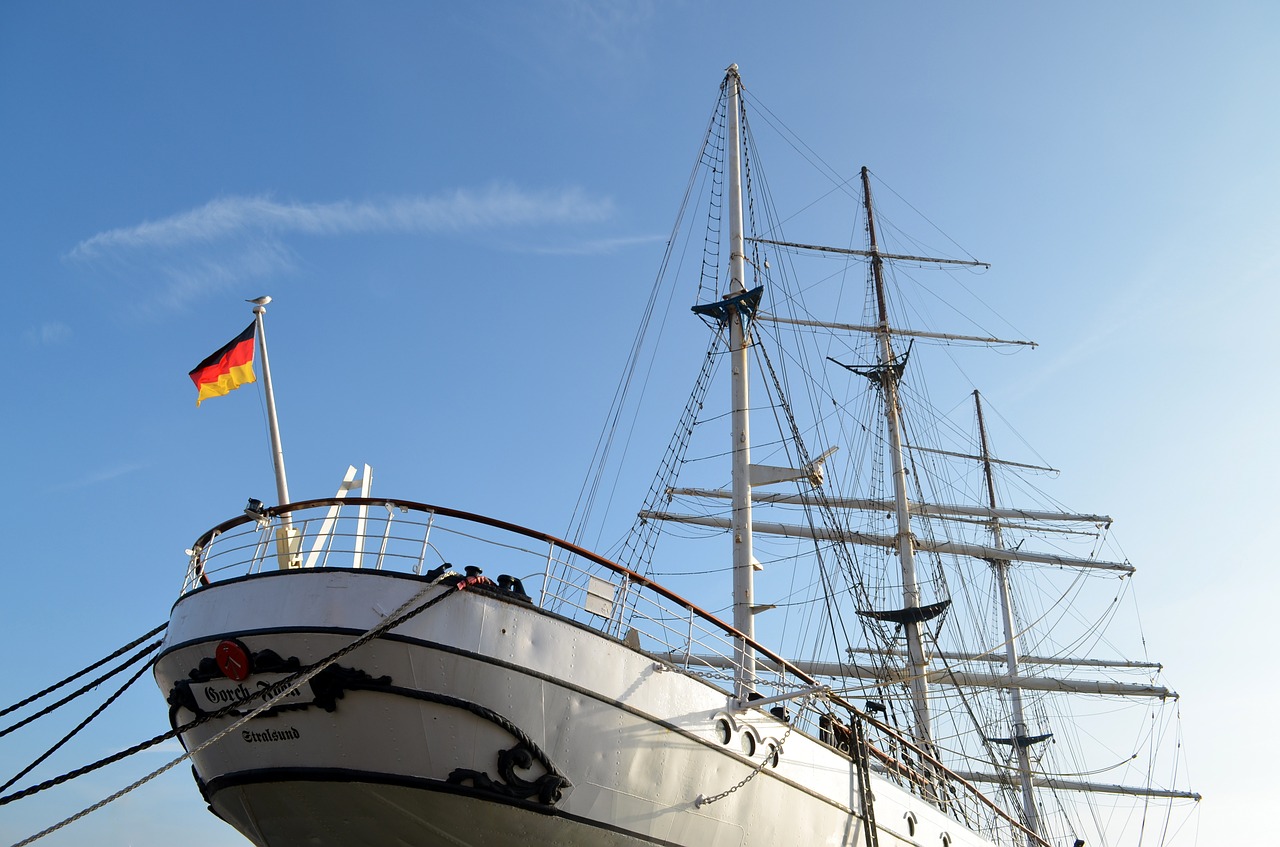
[260,301]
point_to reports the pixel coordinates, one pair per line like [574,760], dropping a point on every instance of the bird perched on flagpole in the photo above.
[260,301]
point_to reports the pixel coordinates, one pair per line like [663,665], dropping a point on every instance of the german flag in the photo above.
[227,369]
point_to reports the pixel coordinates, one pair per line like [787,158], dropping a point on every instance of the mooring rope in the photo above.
[126,648]
[283,689]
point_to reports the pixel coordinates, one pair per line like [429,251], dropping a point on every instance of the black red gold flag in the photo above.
[228,368]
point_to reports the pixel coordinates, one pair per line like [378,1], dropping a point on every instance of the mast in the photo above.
[905,544]
[1020,738]
[743,578]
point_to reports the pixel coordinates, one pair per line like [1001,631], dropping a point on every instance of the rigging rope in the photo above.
[46,754]
[81,690]
[637,550]
[283,689]
[126,648]
[600,458]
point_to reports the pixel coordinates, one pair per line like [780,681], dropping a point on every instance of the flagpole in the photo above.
[288,539]
[277,452]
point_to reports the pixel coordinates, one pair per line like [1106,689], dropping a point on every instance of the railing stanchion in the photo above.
[546,574]
[386,533]
[688,644]
[426,542]
[259,549]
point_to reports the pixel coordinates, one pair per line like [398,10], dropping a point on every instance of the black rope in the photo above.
[283,685]
[98,765]
[29,768]
[126,648]
[638,547]
[82,689]
[592,485]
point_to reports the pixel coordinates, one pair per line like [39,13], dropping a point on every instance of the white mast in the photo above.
[1019,738]
[919,665]
[743,591]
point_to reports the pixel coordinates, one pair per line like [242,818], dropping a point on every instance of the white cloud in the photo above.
[200,274]
[97,477]
[232,218]
[170,748]
[52,332]
[167,265]
[598,247]
[617,27]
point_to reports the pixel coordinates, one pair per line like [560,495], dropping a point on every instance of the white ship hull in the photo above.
[399,742]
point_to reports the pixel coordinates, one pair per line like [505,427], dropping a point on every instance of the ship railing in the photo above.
[569,581]
[626,606]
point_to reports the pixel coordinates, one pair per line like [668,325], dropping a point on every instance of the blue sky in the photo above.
[459,209]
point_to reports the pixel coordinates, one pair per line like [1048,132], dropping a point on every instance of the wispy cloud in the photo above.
[97,477]
[194,274]
[616,27]
[172,747]
[597,247]
[230,243]
[47,334]
[232,218]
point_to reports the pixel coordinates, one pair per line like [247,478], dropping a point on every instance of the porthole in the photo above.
[748,744]
[911,823]
[946,840]
[724,732]
[772,754]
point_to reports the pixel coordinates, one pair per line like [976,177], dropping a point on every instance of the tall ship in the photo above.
[839,617]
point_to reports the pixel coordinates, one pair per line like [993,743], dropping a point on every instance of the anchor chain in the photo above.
[701,801]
